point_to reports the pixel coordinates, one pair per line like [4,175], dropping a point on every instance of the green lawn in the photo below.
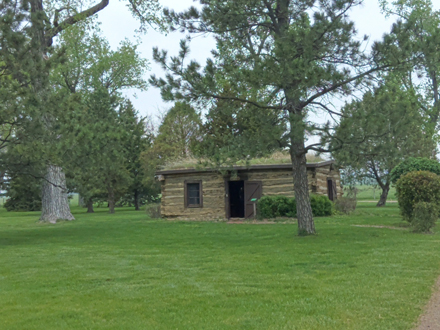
[125,271]
[371,194]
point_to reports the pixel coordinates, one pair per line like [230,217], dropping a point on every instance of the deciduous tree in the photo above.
[389,123]
[47,20]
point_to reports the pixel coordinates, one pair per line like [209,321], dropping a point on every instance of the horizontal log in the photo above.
[272,175]
[206,201]
[290,194]
[179,207]
[274,182]
[206,190]
[189,214]
[181,178]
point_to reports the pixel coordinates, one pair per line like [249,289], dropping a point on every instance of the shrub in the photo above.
[414,164]
[321,205]
[424,217]
[276,206]
[345,205]
[153,210]
[416,187]
[269,207]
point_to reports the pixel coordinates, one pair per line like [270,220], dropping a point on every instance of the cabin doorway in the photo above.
[241,198]
[331,189]
[236,199]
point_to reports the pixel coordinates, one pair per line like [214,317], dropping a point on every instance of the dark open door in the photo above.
[236,199]
[332,192]
[252,189]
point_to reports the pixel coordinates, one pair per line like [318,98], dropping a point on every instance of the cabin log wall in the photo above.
[274,182]
[324,173]
[173,197]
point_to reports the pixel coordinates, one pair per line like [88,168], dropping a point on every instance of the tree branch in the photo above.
[75,19]
[340,84]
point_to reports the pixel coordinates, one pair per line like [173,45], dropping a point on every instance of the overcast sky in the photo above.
[118,24]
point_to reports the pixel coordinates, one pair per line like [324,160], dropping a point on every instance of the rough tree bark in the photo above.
[306,225]
[55,205]
[90,206]
[384,195]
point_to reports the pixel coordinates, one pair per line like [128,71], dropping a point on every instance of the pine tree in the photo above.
[294,56]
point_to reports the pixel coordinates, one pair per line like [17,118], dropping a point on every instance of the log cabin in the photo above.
[207,194]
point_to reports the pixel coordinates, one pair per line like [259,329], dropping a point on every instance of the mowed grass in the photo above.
[125,271]
[373,194]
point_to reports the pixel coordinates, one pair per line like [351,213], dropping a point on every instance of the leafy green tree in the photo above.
[180,128]
[389,124]
[415,39]
[414,165]
[99,125]
[178,132]
[294,55]
[45,21]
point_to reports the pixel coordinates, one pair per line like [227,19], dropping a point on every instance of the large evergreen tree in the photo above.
[42,22]
[293,55]
[137,139]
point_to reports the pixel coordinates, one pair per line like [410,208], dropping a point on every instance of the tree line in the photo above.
[279,68]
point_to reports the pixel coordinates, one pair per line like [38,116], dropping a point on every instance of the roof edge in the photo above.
[243,168]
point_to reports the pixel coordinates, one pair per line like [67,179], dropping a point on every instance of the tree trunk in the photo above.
[384,195]
[306,225]
[136,200]
[54,199]
[55,205]
[90,206]
[111,200]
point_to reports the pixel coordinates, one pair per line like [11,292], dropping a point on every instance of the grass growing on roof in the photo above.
[124,271]
[278,157]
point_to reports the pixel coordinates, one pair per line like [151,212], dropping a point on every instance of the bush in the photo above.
[321,205]
[416,187]
[345,205]
[413,165]
[424,217]
[153,210]
[276,206]
[269,207]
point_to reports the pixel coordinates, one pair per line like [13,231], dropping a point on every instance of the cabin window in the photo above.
[193,194]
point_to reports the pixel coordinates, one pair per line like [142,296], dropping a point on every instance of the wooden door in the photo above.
[252,189]
[331,188]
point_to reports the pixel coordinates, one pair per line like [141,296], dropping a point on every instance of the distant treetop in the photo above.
[415,164]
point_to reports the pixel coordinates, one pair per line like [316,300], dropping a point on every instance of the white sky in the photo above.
[117,24]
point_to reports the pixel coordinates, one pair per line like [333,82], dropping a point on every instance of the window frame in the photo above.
[186,201]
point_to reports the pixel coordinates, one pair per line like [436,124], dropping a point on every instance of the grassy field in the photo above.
[371,194]
[125,271]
